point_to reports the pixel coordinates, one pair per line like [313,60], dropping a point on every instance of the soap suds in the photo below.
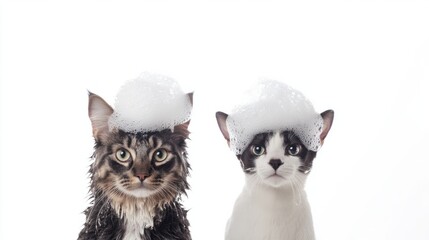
[271,106]
[150,103]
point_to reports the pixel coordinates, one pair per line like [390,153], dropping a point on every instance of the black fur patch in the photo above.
[170,223]
[306,156]
[247,158]
[102,222]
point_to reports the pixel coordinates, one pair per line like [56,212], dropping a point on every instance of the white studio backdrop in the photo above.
[367,60]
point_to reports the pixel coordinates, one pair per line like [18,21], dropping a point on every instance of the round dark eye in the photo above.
[294,149]
[123,155]
[160,155]
[258,150]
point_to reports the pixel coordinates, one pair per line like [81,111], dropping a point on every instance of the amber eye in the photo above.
[294,149]
[160,155]
[123,155]
[258,150]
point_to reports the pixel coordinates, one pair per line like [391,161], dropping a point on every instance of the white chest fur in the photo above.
[266,213]
[137,218]
[136,222]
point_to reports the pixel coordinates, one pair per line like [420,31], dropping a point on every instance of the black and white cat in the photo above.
[137,180]
[273,204]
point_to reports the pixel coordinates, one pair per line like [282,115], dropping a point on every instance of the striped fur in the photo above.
[137,198]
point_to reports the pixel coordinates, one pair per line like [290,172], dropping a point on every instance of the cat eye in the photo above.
[123,155]
[160,155]
[258,150]
[294,149]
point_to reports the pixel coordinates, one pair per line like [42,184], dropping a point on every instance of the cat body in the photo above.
[104,223]
[137,180]
[262,212]
[273,204]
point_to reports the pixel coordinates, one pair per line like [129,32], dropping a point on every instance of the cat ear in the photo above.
[328,117]
[191,97]
[221,121]
[99,112]
[182,129]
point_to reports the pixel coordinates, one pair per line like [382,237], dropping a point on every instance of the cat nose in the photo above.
[276,163]
[142,177]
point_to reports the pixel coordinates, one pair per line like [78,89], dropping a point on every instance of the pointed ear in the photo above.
[191,97]
[182,129]
[221,121]
[99,112]
[328,117]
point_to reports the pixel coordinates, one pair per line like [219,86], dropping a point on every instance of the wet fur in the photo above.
[120,210]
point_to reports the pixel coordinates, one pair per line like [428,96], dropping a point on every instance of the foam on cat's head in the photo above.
[271,106]
[150,103]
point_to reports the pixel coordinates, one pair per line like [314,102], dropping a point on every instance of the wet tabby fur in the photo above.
[137,180]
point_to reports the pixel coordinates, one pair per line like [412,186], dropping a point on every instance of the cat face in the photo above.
[277,158]
[137,165]
[142,165]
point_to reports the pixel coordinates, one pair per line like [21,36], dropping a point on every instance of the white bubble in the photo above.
[270,106]
[150,103]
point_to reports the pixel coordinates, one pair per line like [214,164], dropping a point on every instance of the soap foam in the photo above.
[150,103]
[271,106]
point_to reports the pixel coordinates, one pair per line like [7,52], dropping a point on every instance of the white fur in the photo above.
[141,192]
[136,220]
[273,204]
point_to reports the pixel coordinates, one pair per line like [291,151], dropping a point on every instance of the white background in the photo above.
[367,60]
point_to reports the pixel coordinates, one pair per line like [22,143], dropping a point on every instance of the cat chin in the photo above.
[276,181]
[141,192]
[138,192]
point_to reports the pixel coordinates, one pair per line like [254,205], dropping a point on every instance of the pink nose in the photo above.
[142,176]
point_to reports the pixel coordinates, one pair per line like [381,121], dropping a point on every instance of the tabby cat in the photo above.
[136,181]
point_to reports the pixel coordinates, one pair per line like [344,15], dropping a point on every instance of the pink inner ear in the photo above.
[99,112]
[191,97]
[182,129]
[328,117]
[221,121]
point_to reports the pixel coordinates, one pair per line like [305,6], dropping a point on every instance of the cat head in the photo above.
[137,165]
[277,158]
